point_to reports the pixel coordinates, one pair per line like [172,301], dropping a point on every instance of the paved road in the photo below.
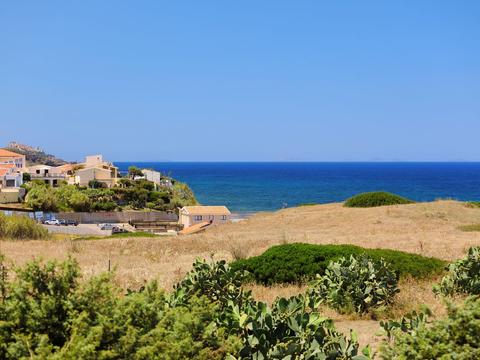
[81,229]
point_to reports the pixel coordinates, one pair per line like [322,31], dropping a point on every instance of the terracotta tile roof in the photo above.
[7,166]
[206,210]
[7,153]
[64,167]
[194,228]
[3,172]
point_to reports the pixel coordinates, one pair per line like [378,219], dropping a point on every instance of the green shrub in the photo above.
[463,275]
[21,228]
[455,337]
[290,329]
[470,228]
[95,184]
[130,194]
[409,324]
[372,199]
[356,284]
[296,263]
[473,204]
[48,312]
[41,197]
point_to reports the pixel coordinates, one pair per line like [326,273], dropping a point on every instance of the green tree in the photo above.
[42,197]
[26,177]
[134,171]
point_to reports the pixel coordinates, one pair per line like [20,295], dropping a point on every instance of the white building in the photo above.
[155,177]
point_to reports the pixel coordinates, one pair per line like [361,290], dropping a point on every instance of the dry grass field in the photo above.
[430,229]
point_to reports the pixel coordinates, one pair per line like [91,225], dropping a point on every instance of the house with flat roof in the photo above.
[48,174]
[214,215]
[95,168]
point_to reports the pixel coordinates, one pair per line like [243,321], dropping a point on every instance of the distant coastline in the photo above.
[253,187]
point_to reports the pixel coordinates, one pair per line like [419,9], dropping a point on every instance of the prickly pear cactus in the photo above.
[356,284]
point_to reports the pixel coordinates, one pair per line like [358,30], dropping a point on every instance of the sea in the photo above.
[252,187]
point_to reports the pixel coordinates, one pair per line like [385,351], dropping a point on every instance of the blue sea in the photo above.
[251,187]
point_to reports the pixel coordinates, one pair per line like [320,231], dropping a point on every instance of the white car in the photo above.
[52,222]
[105,226]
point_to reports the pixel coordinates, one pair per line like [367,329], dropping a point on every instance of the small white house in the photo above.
[191,215]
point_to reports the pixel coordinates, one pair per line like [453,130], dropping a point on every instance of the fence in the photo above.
[117,216]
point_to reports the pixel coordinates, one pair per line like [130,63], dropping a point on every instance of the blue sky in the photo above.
[243,80]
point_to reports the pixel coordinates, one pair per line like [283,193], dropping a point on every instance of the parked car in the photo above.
[119,230]
[72,222]
[62,222]
[105,226]
[52,222]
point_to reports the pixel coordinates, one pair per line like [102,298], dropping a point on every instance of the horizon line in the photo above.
[305,161]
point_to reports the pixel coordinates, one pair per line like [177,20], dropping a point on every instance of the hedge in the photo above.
[296,263]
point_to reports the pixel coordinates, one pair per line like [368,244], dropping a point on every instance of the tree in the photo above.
[26,177]
[134,171]
[42,198]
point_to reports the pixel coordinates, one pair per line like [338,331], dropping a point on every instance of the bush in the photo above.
[137,194]
[296,263]
[95,184]
[41,197]
[473,204]
[21,228]
[372,199]
[470,228]
[463,275]
[47,312]
[356,284]
[455,337]
[290,329]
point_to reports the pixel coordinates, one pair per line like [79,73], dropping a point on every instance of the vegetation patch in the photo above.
[46,312]
[296,263]
[373,199]
[21,228]
[473,204]
[129,194]
[470,228]
[357,284]
[454,337]
[463,275]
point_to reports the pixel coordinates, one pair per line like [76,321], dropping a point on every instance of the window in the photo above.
[224,217]
[198,217]
[211,217]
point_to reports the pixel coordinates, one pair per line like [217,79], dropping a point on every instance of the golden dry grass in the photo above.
[429,229]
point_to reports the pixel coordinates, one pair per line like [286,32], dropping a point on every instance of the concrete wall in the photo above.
[117,216]
[8,196]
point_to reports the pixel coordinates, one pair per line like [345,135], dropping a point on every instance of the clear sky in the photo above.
[243,80]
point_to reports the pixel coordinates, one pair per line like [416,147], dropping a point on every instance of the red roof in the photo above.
[7,153]
[3,172]
[7,166]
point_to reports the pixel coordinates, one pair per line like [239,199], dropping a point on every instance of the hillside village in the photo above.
[96,186]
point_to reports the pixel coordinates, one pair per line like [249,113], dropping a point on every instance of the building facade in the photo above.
[215,215]
[10,157]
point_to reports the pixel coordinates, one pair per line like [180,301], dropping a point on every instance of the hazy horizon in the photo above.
[247,81]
